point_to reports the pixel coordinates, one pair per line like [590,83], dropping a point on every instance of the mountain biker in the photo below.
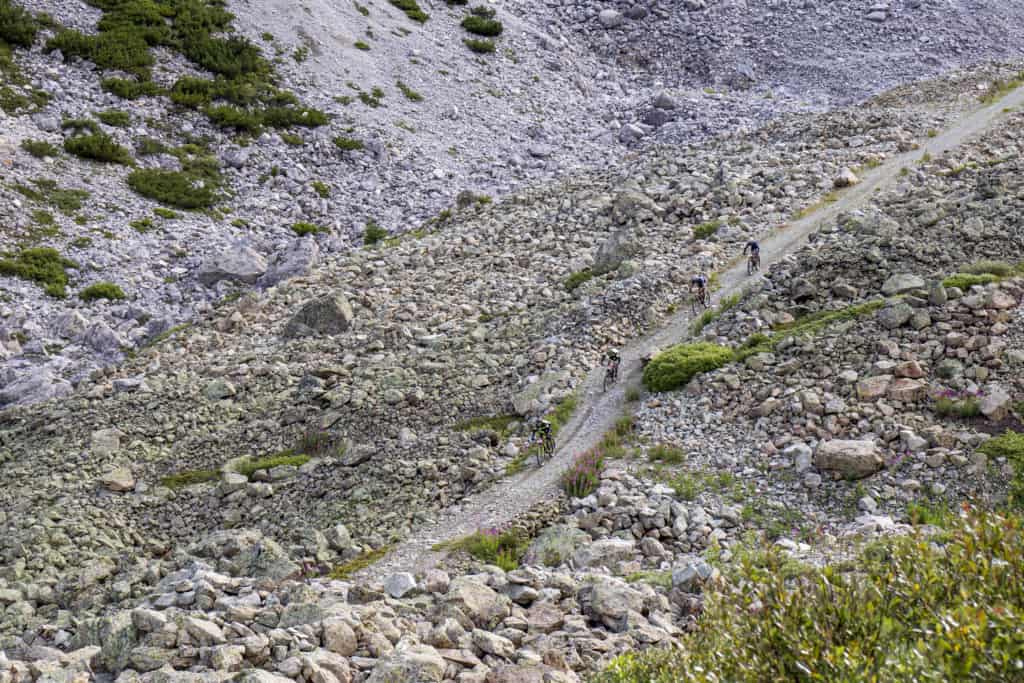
[754,247]
[542,428]
[612,360]
[698,284]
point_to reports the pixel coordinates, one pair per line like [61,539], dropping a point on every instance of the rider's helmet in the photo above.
[613,353]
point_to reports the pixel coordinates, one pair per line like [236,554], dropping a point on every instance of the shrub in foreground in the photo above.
[479,45]
[914,612]
[102,290]
[98,147]
[42,265]
[584,474]
[676,366]
[175,188]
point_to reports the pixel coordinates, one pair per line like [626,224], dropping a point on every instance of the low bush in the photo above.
[48,192]
[17,27]
[346,570]
[503,549]
[706,230]
[189,478]
[302,228]
[666,453]
[989,267]
[166,213]
[409,93]
[482,26]
[130,89]
[676,366]
[578,278]
[229,116]
[562,413]
[1010,445]
[965,281]
[121,50]
[40,148]
[322,189]
[42,265]
[583,476]
[98,147]
[361,45]
[102,290]
[411,9]
[250,466]
[916,610]
[958,406]
[479,45]
[373,233]
[114,117]
[174,188]
[347,144]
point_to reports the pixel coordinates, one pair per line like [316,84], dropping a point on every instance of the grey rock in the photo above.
[299,259]
[902,283]
[852,459]
[399,585]
[328,315]
[238,263]
[613,251]
[611,18]
[895,315]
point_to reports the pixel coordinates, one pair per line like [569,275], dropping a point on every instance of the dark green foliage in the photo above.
[483,11]
[578,278]
[919,608]
[250,467]
[181,189]
[189,478]
[411,9]
[189,91]
[102,290]
[130,89]
[479,45]
[150,146]
[17,27]
[41,265]
[347,144]
[706,230]
[321,188]
[1010,445]
[98,147]
[166,213]
[361,45]
[373,233]
[228,116]
[282,117]
[963,407]
[114,117]
[677,365]
[302,228]
[68,201]
[482,26]
[372,98]
[40,148]
[79,126]
[667,453]
[229,57]
[409,93]
[122,50]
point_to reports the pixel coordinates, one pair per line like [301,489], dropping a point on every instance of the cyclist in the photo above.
[542,430]
[611,364]
[755,252]
[699,284]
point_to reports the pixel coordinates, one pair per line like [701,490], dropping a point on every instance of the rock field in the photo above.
[193,473]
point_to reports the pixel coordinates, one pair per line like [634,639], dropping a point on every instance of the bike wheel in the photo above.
[750,266]
[607,380]
[706,299]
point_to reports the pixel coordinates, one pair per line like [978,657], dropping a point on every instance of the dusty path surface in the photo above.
[598,411]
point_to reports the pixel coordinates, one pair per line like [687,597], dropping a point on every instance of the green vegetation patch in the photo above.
[411,9]
[47,192]
[958,407]
[322,189]
[346,570]
[17,26]
[482,26]
[130,88]
[98,147]
[181,189]
[302,228]
[373,233]
[713,314]
[40,148]
[347,144]
[250,466]
[102,290]
[180,480]
[667,453]
[965,281]
[674,367]
[563,412]
[409,93]
[1010,445]
[503,549]
[706,230]
[114,117]
[583,476]
[497,423]
[578,278]
[42,265]
[480,45]
[914,611]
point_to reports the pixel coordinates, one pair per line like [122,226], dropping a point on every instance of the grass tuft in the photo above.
[42,265]
[344,571]
[102,290]
[250,467]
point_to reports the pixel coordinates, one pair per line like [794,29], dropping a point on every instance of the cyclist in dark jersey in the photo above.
[754,247]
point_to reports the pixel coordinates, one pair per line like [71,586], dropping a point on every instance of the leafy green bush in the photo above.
[667,453]
[122,50]
[347,144]
[67,201]
[282,117]
[176,188]
[322,189]
[578,278]
[706,230]
[361,45]
[42,265]
[583,476]
[914,612]
[130,89]
[1010,445]
[291,139]
[962,407]
[146,146]
[17,27]
[479,45]
[965,281]
[504,549]
[114,117]
[373,233]
[40,148]
[563,412]
[676,366]
[250,466]
[166,213]
[102,290]
[229,116]
[302,228]
[98,147]
[411,9]
[189,478]
[409,93]
[482,26]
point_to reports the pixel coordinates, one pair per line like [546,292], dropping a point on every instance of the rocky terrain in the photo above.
[195,474]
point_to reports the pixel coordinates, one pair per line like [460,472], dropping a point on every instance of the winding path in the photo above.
[598,411]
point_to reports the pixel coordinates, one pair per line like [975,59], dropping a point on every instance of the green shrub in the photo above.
[166,213]
[229,116]
[411,9]
[989,267]
[102,290]
[142,225]
[149,146]
[67,201]
[578,278]
[302,228]
[282,117]
[230,57]
[963,407]
[250,467]
[913,612]
[17,27]
[482,26]
[409,93]
[322,189]
[676,366]
[42,265]
[40,148]
[583,476]
[361,45]
[667,453]
[479,45]
[504,549]
[965,281]
[347,144]
[706,230]
[114,117]
[122,50]
[98,147]
[562,413]
[80,126]
[189,478]
[174,188]
[192,92]
[373,233]
[372,98]
[130,89]
[291,139]
[346,570]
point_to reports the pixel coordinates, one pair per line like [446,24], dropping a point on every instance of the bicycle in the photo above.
[546,446]
[702,298]
[611,374]
[753,263]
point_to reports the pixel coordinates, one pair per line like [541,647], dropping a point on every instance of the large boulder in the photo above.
[995,403]
[853,459]
[245,552]
[115,635]
[298,260]
[237,263]
[327,315]
[613,251]
[33,386]
[557,544]
[481,604]
[412,663]
[902,283]
[607,552]
[896,315]
[610,601]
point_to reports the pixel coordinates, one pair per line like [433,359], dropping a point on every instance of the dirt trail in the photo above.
[598,411]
